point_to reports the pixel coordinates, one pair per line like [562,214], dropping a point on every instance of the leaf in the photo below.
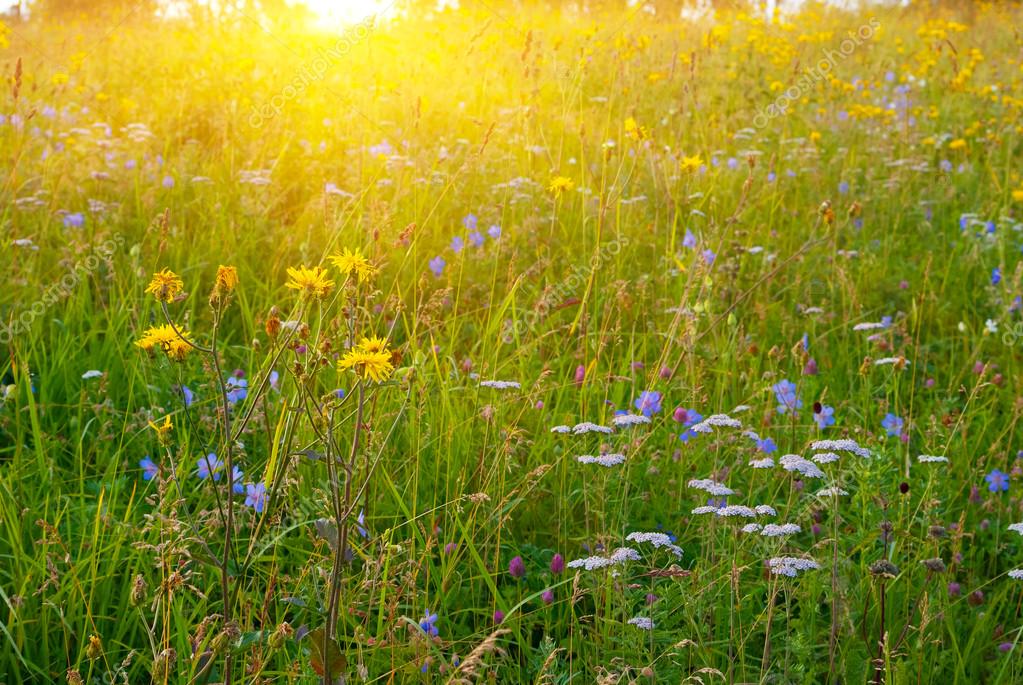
[335,659]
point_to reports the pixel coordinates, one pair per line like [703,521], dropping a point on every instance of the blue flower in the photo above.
[360,523]
[275,381]
[168,181]
[437,265]
[470,222]
[825,417]
[149,469]
[996,276]
[237,389]
[997,481]
[945,166]
[476,238]
[709,256]
[74,220]
[788,400]
[766,445]
[457,244]
[690,240]
[428,624]
[187,395]
[210,465]
[648,402]
[892,424]
[494,231]
[693,417]
[255,496]
[236,480]
[340,393]
[843,188]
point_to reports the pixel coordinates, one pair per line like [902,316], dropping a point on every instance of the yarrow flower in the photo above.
[500,385]
[805,467]
[657,540]
[629,420]
[310,282]
[165,286]
[931,459]
[773,530]
[587,427]
[711,487]
[791,566]
[607,460]
[618,557]
[843,445]
[642,622]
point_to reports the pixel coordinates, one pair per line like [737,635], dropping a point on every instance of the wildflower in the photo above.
[94,650]
[494,231]
[825,457]
[498,616]
[708,256]
[500,385]
[1016,574]
[516,567]
[476,238]
[689,240]
[618,557]
[547,596]
[766,445]
[311,282]
[832,492]
[1016,528]
[457,244]
[843,445]
[931,459]
[788,400]
[74,220]
[210,466]
[162,430]
[884,569]
[997,481]
[805,467]
[691,163]
[892,424]
[635,131]
[622,420]
[255,496]
[791,566]
[165,285]
[587,427]
[935,565]
[642,622]
[175,343]
[657,540]
[149,468]
[606,460]
[437,265]
[996,276]
[825,417]
[711,487]
[559,184]
[765,463]
[236,480]
[557,564]
[374,365]
[354,263]
[648,402]
[773,530]
[237,389]
[428,624]
[227,279]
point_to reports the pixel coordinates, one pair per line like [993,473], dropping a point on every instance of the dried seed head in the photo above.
[935,565]
[884,568]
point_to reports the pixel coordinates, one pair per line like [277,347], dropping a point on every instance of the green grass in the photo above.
[480,111]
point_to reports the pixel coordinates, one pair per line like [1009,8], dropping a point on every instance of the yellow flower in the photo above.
[59,79]
[312,282]
[162,429]
[373,344]
[1017,195]
[174,344]
[227,278]
[635,131]
[560,184]
[165,286]
[691,163]
[349,263]
[957,144]
[373,365]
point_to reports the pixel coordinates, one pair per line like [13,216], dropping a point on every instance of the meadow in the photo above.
[513,343]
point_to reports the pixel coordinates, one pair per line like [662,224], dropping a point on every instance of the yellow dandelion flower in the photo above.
[691,163]
[349,263]
[373,365]
[312,282]
[957,144]
[635,131]
[165,286]
[373,344]
[559,185]
[174,343]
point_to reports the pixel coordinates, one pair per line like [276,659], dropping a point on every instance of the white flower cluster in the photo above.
[825,457]
[791,566]
[891,360]
[619,556]
[561,429]
[657,540]
[603,459]
[869,326]
[715,420]
[711,487]
[843,445]
[832,492]
[642,622]
[931,459]
[1016,574]
[765,463]
[629,420]
[500,385]
[774,530]
[1017,528]
[805,467]
[587,427]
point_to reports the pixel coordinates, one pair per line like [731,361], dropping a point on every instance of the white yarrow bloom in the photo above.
[705,509]
[751,528]
[500,385]
[657,540]
[931,459]
[1016,574]
[805,467]
[774,530]
[561,429]
[1017,528]
[791,566]
[92,373]
[642,622]
[711,487]
[883,361]
[741,408]
[607,460]
[832,492]
[629,420]
[843,445]
[765,510]
[869,326]
[587,427]
[619,556]
[765,463]
[825,457]
[737,510]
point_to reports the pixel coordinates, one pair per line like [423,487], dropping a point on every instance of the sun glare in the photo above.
[337,14]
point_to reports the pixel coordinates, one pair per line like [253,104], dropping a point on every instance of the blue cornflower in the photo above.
[494,231]
[437,265]
[428,624]
[236,480]
[237,389]
[892,424]
[708,256]
[996,276]
[149,468]
[74,220]
[477,239]
[766,445]
[255,496]
[457,244]
[788,400]
[690,240]
[997,481]
[648,402]
[470,222]
[210,465]
[693,417]
[825,417]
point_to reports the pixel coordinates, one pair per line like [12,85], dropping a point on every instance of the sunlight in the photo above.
[337,14]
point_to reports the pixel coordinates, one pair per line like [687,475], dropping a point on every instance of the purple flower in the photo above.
[648,402]
[457,244]
[708,256]
[692,417]
[470,222]
[954,589]
[236,480]
[825,417]
[810,368]
[580,374]
[996,276]
[557,564]
[188,395]
[255,496]
[547,596]
[360,524]
[476,238]
[788,400]
[843,188]
[498,616]
[428,624]
[766,445]
[168,181]
[237,389]
[210,465]
[74,220]
[892,424]
[149,469]
[437,265]
[517,567]
[494,231]
[690,240]
[997,481]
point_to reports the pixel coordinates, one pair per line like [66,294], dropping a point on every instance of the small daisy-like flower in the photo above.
[311,282]
[559,184]
[376,366]
[165,286]
[354,263]
[691,163]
